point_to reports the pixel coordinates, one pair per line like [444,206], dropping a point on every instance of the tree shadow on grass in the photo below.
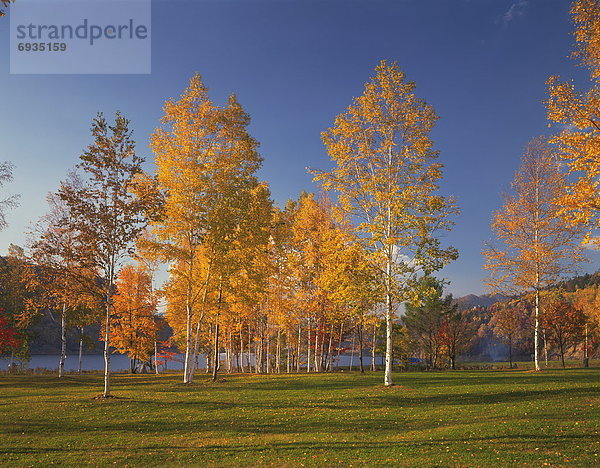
[246,419]
[325,381]
[342,448]
[489,398]
[488,378]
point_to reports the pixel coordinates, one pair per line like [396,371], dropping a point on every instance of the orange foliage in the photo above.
[134,328]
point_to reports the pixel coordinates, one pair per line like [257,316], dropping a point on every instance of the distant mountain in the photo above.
[580,282]
[45,337]
[471,300]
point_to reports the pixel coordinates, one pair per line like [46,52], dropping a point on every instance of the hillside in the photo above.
[471,300]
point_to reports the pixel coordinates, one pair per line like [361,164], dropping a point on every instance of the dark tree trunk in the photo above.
[510,351]
[360,349]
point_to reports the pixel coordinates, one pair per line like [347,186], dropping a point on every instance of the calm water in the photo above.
[120,362]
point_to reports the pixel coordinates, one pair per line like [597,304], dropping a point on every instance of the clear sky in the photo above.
[295,65]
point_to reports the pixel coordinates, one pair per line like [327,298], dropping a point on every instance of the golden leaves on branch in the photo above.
[134,327]
[537,242]
[387,174]
[579,114]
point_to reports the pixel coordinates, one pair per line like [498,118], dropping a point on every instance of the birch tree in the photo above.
[386,175]
[251,265]
[205,162]
[61,282]
[176,292]
[106,217]
[312,226]
[183,147]
[281,284]
[537,245]
[350,281]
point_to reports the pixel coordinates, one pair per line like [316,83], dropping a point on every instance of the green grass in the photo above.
[462,418]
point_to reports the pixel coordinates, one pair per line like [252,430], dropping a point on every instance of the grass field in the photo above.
[461,418]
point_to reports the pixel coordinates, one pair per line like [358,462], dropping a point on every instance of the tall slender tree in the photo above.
[386,174]
[106,216]
[60,283]
[537,244]
[206,162]
[350,282]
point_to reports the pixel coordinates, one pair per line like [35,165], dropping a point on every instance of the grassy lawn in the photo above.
[462,418]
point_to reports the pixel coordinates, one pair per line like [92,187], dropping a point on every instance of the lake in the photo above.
[120,362]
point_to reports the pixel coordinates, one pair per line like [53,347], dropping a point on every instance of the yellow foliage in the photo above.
[579,113]
[538,243]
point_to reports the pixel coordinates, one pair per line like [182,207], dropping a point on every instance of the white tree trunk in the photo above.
[339,346]
[289,349]
[79,367]
[308,355]
[242,368]
[268,352]
[586,360]
[216,357]
[229,353]
[545,347]
[373,342]
[278,352]
[388,340]
[536,330]
[107,347]
[329,348]
[156,357]
[317,352]
[63,340]
[352,351]
[298,348]
[187,375]
[196,347]
[258,354]
[249,349]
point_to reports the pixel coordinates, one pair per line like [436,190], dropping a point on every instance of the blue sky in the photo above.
[294,66]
